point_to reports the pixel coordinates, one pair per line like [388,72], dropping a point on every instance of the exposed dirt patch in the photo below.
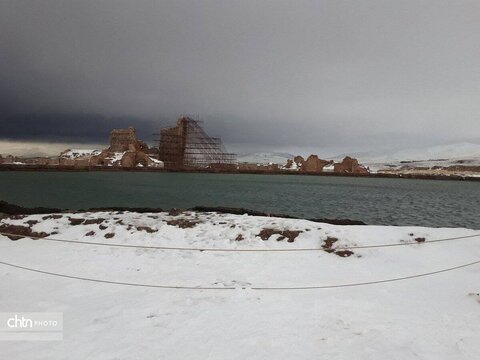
[239,237]
[120,222]
[288,234]
[31,222]
[75,221]
[93,221]
[90,233]
[420,239]
[328,243]
[265,234]
[52,217]
[102,227]
[109,235]
[175,212]
[183,223]
[328,247]
[20,231]
[147,229]
[343,253]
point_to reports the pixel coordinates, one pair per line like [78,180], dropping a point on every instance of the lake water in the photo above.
[374,201]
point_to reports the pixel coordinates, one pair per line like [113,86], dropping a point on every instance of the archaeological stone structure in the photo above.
[313,164]
[125,140]
[350,166]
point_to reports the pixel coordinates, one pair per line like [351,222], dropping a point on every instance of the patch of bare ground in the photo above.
[420,239]
[328,247]
[53,216]
[20,231]
[239,237]
[343,253]
[148,229]
[175,212]
[182,223]
[284,234]
[93,221]
[90,233]
[328,243]
[76,221]
[102,227]
[109,235]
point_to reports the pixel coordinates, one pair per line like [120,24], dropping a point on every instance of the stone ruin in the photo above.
[350,166]
[125,151]
[313,164]
[122,140]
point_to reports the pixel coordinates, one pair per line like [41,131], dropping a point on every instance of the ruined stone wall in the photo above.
[122,139]
[172,145]
[350,166]
[314,164]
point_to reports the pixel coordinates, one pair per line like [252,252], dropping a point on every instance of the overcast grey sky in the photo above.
[313,75]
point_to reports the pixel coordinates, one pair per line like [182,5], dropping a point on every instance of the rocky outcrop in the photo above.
[350,166]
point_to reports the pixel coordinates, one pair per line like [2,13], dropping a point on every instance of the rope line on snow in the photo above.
[239,250]
[234,288]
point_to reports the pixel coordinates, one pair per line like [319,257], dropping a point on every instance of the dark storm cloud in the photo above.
[277,73]
[86,128]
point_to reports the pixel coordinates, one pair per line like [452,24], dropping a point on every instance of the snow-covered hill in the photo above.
[460,151]
[265,158]
[241,305]
[464,154]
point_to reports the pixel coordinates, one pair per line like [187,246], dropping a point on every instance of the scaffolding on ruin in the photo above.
[187,145]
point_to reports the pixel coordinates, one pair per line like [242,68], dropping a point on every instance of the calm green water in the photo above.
[374,201]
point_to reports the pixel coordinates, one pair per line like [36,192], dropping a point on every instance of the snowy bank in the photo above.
[238,286]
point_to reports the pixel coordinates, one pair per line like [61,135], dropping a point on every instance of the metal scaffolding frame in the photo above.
[187,145]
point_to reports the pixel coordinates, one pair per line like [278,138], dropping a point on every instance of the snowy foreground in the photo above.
[246,315]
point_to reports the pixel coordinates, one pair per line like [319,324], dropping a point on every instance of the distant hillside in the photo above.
[265,158]
[458,151]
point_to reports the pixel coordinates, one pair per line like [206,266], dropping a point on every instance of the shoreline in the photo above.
[43,168]
[9,210]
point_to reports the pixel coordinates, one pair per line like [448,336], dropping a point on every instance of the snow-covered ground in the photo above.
[244,316]
[79,153]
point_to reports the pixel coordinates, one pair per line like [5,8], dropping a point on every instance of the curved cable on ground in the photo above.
[239,250]
[234,288]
